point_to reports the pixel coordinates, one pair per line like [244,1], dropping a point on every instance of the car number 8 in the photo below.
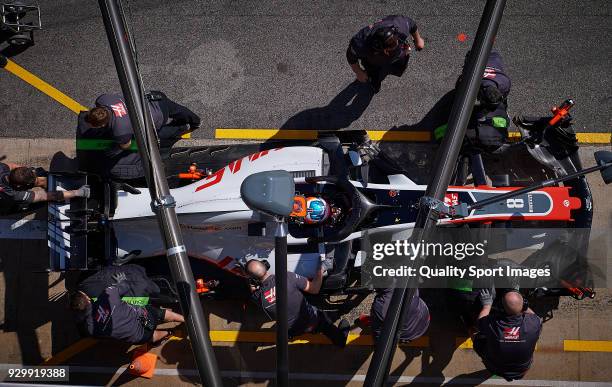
[515,203]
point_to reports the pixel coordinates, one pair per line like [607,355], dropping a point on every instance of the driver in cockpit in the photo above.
[314,210]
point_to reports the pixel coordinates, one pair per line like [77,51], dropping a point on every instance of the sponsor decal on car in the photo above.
[451,199]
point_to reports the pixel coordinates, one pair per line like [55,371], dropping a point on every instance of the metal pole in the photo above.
[444,167]
[545,183]
[162,202]
[282,327]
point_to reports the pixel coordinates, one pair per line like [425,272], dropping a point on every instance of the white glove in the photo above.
[83,192]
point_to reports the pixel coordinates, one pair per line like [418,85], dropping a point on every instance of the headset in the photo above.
[378,36]
[525,302]
[29,184]
[490,96]
[254,281]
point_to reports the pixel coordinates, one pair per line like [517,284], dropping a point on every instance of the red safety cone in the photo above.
[143,363]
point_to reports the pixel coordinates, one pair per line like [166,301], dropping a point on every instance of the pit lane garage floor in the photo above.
[576,345]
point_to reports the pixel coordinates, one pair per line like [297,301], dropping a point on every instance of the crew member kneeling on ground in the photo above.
[416,315]
[301,315]
[109,316]
[109,120]
[21,186]
[488,127]
[507,338]
[490,120]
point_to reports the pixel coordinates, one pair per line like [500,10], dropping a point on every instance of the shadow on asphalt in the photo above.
[436,116]
[339,113]
[28,302]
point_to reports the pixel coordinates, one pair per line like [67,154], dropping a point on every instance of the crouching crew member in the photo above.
[416,315]
[109,120]
[21,186]
[506,338]
[138,284]
[108,316]
[382,48]
[302,316]
[488,127]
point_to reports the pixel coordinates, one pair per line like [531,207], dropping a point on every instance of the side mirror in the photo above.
[270,192]
[603,158]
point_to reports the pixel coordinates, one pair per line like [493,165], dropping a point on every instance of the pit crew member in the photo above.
[21,186]
[488,126]
[138,283]
[301,315]
[416,316]
[506,339]
[382,48]
[109,316]
[109,120]
[490,119]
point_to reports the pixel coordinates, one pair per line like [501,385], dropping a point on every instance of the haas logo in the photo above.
[102,314]
[451,199]
[270,295]
[489,72]
[119,109]
[511,333]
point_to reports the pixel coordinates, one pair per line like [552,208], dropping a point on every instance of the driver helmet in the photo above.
[317,210]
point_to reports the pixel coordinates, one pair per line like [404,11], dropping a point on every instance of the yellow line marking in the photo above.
[464,343]
[587,346]
[583,137]
[265,134]
[376,135]
[269,337]
[399,135]
[71,351]
[594,138]
[43,86]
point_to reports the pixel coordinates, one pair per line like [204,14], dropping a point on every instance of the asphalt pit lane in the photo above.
[282,68]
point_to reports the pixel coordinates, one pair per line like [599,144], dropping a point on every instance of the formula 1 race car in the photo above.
[116,224]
